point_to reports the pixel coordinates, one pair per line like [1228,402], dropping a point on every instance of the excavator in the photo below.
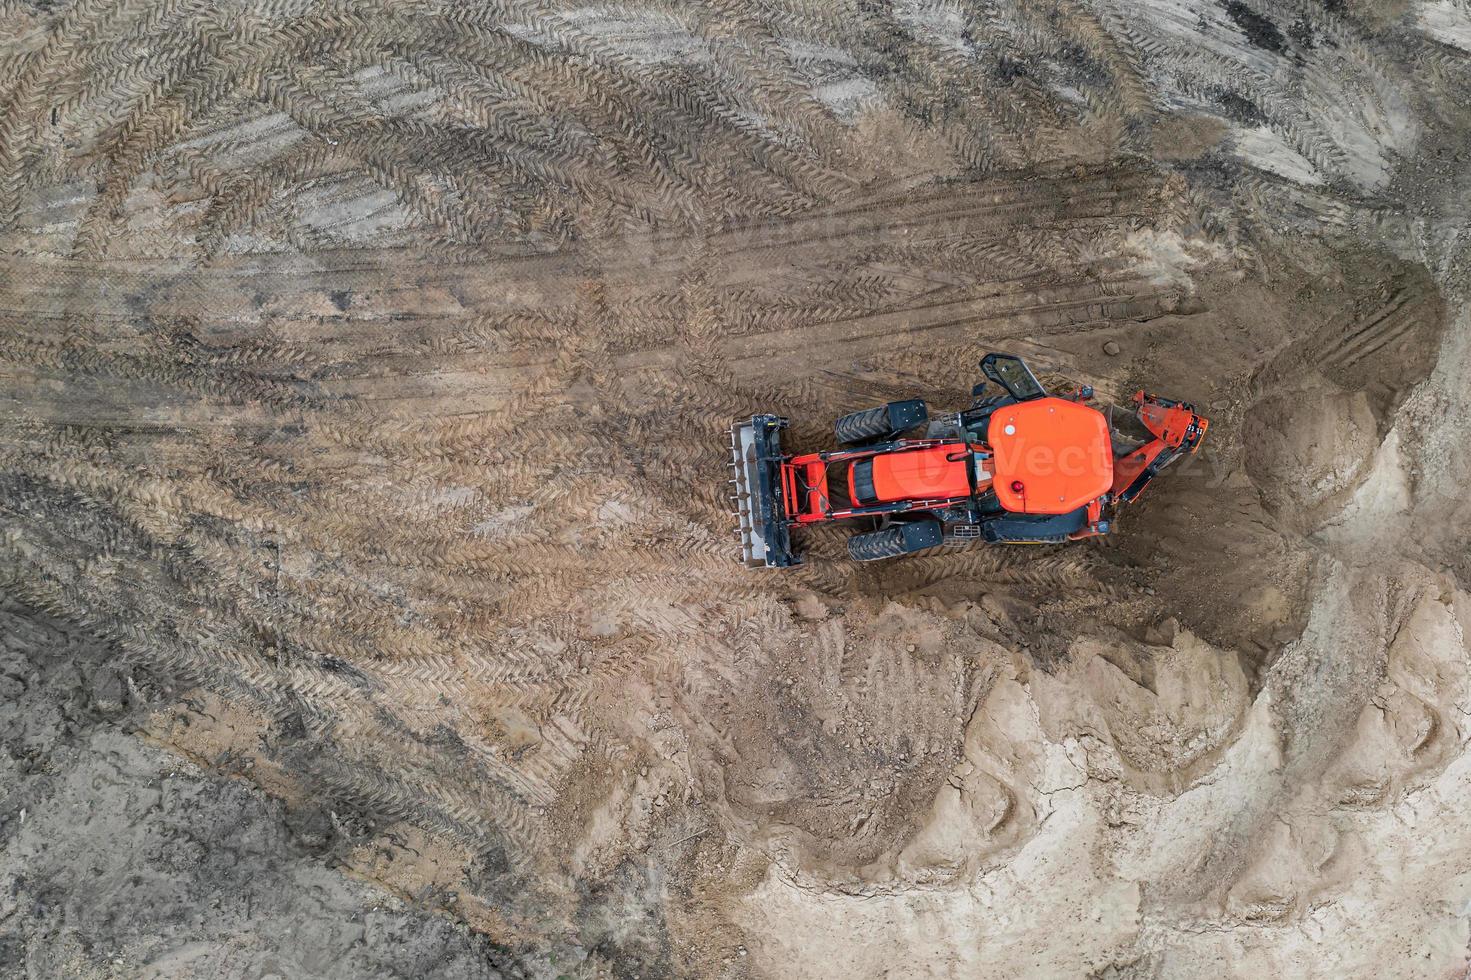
[1020,466]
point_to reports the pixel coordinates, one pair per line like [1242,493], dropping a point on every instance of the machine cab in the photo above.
[1050,455]
[1012,373]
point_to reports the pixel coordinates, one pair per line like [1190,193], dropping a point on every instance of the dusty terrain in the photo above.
[370,597]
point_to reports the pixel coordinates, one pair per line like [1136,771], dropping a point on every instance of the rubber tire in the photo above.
[896,540]
[878,424]
[856,428]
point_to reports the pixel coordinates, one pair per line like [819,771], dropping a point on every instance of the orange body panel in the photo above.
[922,474]
[1052,456]
[1171,425]
[814,475]
[1170,422]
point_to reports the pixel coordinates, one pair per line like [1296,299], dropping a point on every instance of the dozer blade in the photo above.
[755,458]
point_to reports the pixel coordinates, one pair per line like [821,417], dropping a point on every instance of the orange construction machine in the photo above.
[1020,466]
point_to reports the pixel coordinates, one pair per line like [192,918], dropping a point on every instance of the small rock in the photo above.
[1112,348]
[1220,404]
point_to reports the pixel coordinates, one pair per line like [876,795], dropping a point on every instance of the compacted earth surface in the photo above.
[368,594]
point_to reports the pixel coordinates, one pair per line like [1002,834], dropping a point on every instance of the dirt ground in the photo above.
[371,604]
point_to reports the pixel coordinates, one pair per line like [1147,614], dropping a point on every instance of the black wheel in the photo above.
[896,540]
[874,424]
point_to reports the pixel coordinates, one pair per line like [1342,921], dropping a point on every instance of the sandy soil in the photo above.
[372,608]
[123,859]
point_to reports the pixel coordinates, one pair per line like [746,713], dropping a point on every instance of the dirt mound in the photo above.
[818,756]
[1308,451]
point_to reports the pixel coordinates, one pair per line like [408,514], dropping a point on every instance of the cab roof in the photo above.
[1051,455]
